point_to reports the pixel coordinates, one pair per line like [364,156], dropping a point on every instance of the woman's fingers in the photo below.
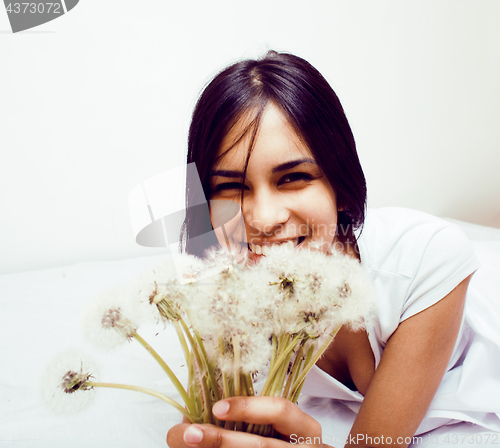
[285,417]
[209,436]
[282,414]
[178,436]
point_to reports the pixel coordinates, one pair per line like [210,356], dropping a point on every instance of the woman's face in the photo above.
[287,198]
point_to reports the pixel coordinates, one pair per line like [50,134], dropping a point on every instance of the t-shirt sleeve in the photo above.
[448,258]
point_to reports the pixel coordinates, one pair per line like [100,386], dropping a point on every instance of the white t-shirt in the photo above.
[414,260]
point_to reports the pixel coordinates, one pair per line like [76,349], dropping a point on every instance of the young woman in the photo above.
[271,135]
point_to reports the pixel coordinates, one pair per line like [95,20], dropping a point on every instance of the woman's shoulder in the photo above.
[397,239]
[414,259]
[401,221]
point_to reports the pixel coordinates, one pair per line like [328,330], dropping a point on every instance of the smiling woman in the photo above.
[283,109]
[271,136]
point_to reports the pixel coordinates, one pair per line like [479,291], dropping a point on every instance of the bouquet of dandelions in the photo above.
[238,322]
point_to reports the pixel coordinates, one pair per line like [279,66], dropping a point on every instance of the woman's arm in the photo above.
[410,371]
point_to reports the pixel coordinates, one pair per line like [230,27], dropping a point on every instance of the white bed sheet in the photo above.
[40,315]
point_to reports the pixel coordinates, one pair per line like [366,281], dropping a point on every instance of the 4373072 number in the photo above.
[34,8]
[484,439]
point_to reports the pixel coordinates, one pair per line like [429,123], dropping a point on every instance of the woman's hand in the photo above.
[295,426]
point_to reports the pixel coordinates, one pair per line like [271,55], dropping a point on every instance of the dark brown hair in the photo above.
[312,108]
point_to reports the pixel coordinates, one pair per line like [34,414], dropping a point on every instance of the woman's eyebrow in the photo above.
[226,173]
[292,164]
[276,169]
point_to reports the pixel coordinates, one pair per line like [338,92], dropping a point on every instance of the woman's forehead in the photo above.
[272,137]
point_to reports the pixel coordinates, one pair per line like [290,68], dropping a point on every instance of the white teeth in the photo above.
[266,249]
[274,248]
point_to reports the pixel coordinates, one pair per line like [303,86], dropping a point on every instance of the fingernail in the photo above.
[220,408]
[193,435]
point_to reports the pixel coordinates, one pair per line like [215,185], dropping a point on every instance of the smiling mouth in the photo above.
[266,249]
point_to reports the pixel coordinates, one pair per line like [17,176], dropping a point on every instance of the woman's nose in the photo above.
[265,212]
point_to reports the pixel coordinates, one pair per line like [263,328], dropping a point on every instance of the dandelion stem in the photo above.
[182,340]
[171,375]
[236,365]
[298,382]
[273,353]
[207,399]
[249,385]
[194,389]
[295,395]
[294,369]
[279,378]
[244,388]
[225,382]
[297,372]
[236,372]
[147,391]
[277,364]
[208,366]
[225,385]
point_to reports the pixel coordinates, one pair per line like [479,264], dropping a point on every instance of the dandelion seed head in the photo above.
[316,292]
[344,291]
[254,353]
[220,259]
[237,300]
[73,381]
[189,267]
[64,382]
[110,318]
[356,296]
[163,293]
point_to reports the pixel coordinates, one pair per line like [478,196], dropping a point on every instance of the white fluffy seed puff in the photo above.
[166,291]
[356,294]
[318,292]
[63,382]
[111,318]
[231,308]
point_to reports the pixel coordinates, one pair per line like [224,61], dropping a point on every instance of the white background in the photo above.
[100,99]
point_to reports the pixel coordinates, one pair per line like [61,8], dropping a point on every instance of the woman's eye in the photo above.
[294,177]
